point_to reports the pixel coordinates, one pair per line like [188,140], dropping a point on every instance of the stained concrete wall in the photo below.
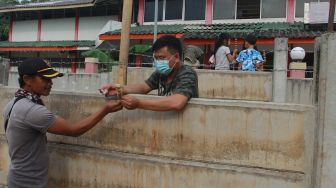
[4,71]
[300,91]
[211,143]
[326,147]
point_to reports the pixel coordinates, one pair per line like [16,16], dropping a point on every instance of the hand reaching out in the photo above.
[114,106]
[111,90]
[130,102]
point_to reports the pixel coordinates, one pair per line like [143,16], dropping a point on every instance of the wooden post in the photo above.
[124,41]
[331,15]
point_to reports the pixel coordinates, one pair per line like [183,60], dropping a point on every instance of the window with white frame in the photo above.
[175,10]
[299,6]
[274,9]
[150,10]
[249,9]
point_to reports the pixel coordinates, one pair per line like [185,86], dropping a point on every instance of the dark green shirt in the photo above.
[185,82]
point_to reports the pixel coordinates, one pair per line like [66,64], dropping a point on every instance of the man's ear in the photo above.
[27,80]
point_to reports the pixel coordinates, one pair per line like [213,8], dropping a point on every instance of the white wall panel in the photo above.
[25,31]
[58,29]
[89,27]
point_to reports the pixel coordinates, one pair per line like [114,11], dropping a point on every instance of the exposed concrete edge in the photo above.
[302,79]
[234,72]
[288,175]
[204,101]
[213,71]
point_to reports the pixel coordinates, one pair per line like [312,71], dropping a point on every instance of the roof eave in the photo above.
[46,8]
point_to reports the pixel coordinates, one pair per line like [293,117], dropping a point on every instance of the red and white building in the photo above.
[198,22]
[58,30]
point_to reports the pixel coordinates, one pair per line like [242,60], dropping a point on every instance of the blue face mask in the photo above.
[162,66]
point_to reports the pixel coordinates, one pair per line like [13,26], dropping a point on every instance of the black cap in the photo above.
[38,66]
[250,38]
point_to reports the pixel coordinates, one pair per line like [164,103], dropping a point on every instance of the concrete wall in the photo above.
[300,91]
[24,31]
[72,82]
[211,143]
[256,86]
[212,84]
[326,150]
[4,70]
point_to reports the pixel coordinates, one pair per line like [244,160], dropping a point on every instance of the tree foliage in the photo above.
[5,3]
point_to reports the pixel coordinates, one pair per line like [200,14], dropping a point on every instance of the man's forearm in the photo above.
[86,124]
[170,103]
[142,88]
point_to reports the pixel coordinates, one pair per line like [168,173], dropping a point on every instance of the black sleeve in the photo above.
[187,85]
[153,81]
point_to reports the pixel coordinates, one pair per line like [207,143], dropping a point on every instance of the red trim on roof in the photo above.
[137,36]
[241,41]
[204,41]
[301,41]
[38,48]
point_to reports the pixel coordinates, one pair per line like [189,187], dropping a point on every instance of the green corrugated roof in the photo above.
[149,29]
[237,30]
[83,43]
[261,30]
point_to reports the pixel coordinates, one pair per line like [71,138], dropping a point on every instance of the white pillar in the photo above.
[280,69]
[326,152]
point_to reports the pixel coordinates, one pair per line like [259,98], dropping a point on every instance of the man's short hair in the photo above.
[250,38]
[172,43]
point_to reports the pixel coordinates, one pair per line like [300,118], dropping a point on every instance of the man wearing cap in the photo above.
[249,59]
[27,121]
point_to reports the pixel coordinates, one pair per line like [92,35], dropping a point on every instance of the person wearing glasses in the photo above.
[174,80]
